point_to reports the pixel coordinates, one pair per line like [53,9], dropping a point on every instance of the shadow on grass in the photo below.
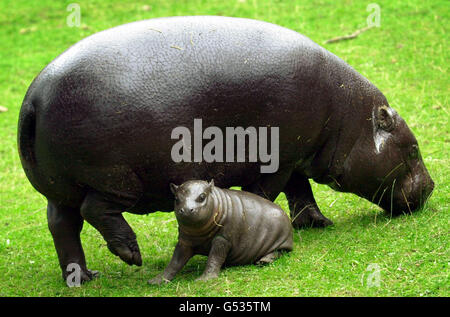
[372,218]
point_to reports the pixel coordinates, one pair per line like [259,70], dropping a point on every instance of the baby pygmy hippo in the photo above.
[229,226]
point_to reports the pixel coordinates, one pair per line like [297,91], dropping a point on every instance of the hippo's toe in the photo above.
[89,275]
[158,280]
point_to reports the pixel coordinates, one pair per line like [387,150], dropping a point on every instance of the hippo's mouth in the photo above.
[400,202]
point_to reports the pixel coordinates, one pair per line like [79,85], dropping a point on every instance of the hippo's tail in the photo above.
[26,135]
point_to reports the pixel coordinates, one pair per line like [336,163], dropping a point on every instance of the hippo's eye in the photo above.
[201,198]
[414,153]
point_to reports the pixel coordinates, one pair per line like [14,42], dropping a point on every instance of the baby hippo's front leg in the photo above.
[180,257]
[216,257]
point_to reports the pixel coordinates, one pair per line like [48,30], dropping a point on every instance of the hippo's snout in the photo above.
[421,192]
[428,189]
[409,196]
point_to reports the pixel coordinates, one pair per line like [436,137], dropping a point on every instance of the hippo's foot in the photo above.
[158,280]
[92,274]
[207,276]
[310,217]
[127,251]
[269,258]
[85,275]
[304,210]
[89,275]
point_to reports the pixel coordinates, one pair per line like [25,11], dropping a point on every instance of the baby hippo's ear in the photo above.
[173,188]
[211,185]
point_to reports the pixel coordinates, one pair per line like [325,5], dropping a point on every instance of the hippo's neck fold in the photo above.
[353,100]
[219,203]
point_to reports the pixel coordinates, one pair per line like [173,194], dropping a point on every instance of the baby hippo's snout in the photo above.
[185,210]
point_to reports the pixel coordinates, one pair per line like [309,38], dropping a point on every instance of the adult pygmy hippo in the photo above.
[95,125]
[230,226]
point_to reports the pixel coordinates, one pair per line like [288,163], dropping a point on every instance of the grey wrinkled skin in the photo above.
[231,227]
[94,132]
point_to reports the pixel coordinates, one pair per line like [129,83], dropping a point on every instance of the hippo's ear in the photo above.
[385,118]
[173,188]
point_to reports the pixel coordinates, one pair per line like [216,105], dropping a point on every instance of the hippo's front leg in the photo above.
[303,206]
[217,256]
[107,218]
[180,257]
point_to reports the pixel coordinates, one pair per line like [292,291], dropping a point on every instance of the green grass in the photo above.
[406,58]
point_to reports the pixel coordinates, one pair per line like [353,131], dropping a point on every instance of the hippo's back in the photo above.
[105,108]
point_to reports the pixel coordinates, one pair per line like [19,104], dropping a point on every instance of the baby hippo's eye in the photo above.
[201,198]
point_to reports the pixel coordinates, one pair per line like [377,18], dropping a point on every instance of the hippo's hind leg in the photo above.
[106,216]
[65,225]
[303,206]
[269,258]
